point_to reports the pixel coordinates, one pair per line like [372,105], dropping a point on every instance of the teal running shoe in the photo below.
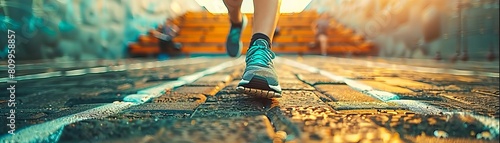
[233,42]
[260,79]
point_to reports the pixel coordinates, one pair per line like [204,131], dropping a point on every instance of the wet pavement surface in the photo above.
[325,99]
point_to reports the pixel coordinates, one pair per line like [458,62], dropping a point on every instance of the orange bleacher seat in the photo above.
[203,32]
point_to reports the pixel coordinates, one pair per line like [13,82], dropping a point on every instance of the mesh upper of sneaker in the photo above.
[259,63]
[259,54]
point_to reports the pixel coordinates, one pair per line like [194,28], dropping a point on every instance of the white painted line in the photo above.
[331,76]
[135,66]
[118,68]
[58,64]
[75,72]
[297,65]
[191,78]
[138,98]
[418,106]
[383,95]
[489,74]
[160,89]
[358,86]
[158,64]
[51,131]
[112,68]
[98,70]
[462,72]
[411,68]
[149,65]
[37,76]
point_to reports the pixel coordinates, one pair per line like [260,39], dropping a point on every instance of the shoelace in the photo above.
[259,54]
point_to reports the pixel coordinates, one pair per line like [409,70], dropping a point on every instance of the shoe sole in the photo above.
[235,52]
[259,88]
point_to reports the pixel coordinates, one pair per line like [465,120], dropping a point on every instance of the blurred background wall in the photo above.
[82,29]
[91,29]
[422,28]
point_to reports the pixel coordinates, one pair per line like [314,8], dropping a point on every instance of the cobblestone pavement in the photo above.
[325,99]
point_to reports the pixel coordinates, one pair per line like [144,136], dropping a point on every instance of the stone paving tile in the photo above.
[451,78]
[37,86]
[455,84]
[71,110]
[432,139]
[331,67]
[490,91]
[147,114]
[177,106]
[244,129]
[394,81]
[296,86]
[425,96]
[226,97]
[116,83]
[31,116]
[295,98]
[25,96]
[171,97]
[206,90]
[323,124]
[315,79]
[286,77]
[351,71]
[25,91]
[451,126]
[293,70]
[344,93]
[103,98]
[347,74]
[418,86]
[138,87]
[385,87]
[480,109]
[235,72]
[381,72]
[472,98]
[284,70]
[293,80]
[232,108]
[230,88]
[159,111]
[283,125]
[24,118]
[164,76]
[169,73]
[323,97]
[212,80]
[364,105]
[53,99]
